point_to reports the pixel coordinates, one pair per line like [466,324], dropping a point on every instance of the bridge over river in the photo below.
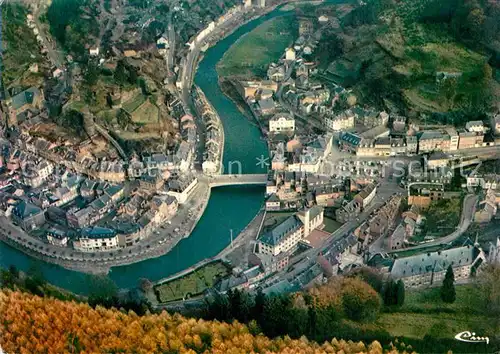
[232,180]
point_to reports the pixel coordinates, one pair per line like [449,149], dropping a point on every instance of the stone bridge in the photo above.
[231,180]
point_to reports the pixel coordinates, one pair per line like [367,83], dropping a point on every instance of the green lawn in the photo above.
[442,217]
[330,225]
[146,113]
[251,55]
[425,313]
[134,103]
[191,284]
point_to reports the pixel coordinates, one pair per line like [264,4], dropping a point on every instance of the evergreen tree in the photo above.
[400,293]
[258,307]
[219,307]
[390,293]
[239,302]
[448,293]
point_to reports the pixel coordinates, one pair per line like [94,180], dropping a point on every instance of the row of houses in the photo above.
[423,142]
[429,269]
[351,209]
[302,158]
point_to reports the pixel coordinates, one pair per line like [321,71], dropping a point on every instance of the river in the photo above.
[229,208]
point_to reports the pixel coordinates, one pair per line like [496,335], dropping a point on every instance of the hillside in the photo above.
[31,324]
[434,57]
[18,56]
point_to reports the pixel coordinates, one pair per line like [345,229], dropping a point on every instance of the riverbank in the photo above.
[100,263]
[229,208]
[229,89]
[234,255]
[206,106]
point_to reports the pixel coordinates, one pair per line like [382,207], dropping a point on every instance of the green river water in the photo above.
[229,208]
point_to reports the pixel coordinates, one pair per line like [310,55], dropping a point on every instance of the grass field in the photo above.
[442,217]
[134,103]
[252,54]
[425,313]
[330,224]
[146,113]
[191,284]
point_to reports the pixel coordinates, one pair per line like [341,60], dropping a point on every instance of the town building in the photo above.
[57,237]
[151,181]
[282,122]
[248,89]
[470,140]
[30,99]
[454,138]
[290,54]
[494,252]
[273,203]
[282,238]
[348,211]
[96,238]
[182,187]
[488,181]
[431,140]
[311,219]
[94,52]
[411,145]
[269,264]
[350,142]
[28,216]
[475,126]
[365,197]
[342,254]
[343,121]
[286,236]
[429,269]
[487,208]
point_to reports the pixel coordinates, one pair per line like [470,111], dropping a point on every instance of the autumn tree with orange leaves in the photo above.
[32,324]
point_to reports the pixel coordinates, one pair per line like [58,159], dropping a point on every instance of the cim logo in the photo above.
[471,337]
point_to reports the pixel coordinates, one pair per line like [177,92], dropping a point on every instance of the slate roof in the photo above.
[25,97]
[433,261]
[98,232]
[431,135]
[315,211]
[24,210]
[339,247]
[274,236]
[351,139]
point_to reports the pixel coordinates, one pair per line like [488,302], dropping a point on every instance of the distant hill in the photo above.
[438,57]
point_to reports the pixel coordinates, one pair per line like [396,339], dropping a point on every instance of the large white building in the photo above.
[475,126]
[343,121]
[282,122]
[182,188]
[286,236]
[96,239]
[429,269]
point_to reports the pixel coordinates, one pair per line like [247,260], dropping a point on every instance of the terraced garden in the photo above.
[192,284]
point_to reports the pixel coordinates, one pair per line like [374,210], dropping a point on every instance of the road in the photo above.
[171,43]
[56,58]
[308,258]
[156,244]
[468,209]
